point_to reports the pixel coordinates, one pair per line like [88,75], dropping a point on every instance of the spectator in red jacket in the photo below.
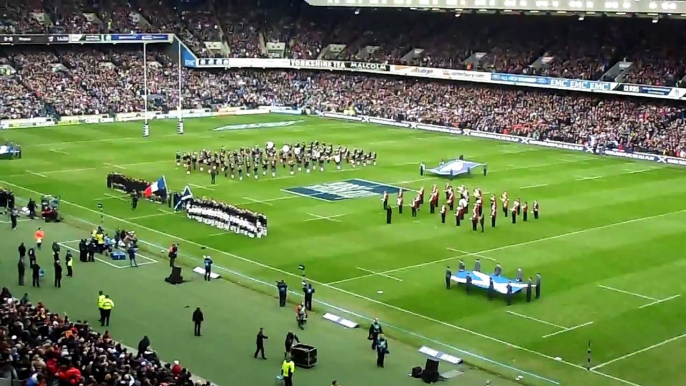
[69,374]
[176,369]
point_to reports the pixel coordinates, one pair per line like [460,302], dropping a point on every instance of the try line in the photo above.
[362,297]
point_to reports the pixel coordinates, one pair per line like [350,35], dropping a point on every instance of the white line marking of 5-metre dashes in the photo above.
[353,294]
[562,329]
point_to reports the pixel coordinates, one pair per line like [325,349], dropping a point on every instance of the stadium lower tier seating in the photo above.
[46,348]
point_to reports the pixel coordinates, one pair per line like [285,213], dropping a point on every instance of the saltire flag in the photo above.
[157,186]
[186,195]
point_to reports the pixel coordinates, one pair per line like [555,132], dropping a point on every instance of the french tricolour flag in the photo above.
[159,185]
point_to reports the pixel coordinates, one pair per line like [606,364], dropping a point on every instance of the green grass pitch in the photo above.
[608,245]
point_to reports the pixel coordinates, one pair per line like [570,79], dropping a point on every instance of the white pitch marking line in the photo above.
[356,295]
[626,292]
[534,186]
[115,166]
[314,196]
[566,330]
[471,254]
[150,215]
[504,247]
[200,187]
[37,174]
[536,320]
[659,301]
[115,197]
[328,218]
[379,274]
[257,201]
[96,258]
[629,355]
[150,260]
[252,200]
[58,151]
[629,171]
[18,220]
[418,180]
[588,178]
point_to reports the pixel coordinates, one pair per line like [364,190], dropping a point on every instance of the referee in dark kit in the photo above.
[134,200]
[259,342]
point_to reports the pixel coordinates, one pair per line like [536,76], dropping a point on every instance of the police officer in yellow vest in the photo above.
[287,369]
[107,306]
[101,298]
[69,259]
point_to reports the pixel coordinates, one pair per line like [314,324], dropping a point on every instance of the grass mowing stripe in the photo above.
[631,354]
[399,309]
[541,240]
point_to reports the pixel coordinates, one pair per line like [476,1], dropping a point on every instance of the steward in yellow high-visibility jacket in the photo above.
[107,306]
[101,297]
[287,370]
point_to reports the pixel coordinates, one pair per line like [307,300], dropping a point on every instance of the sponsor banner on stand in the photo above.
[123,38]
[286,110]
[151,115]
[239,111]
[89,38]
[76,119]
[339,65]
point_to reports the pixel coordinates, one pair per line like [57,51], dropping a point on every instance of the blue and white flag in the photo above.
[186,195]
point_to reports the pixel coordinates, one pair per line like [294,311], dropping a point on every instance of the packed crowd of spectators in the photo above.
[571,117]
[47,348]
[512,44]
[85,81]
[98,82]
[16,101]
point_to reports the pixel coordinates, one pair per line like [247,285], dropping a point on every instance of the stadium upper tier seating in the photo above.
[554,46]
[109,79]
[47,349]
